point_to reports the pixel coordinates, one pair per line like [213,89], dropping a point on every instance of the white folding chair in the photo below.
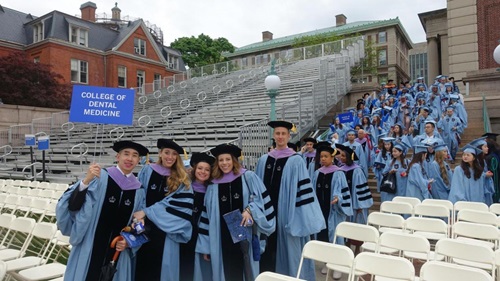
[46,193]
[62,187]
[495,208]
[17,238]
[271,276]
[9,182]
[384,222]
[57,194]
[475,233]
[442,202]
[10,204]
[3,270]
[464,253]
[439,271]
[381,265]
[25,183]
[400,208]
[462,205]
[430,228]
[52,186]
[328,253]
[44,232]
[412,200]
[34,184]
[474,216]
[354,231]
[433,211]
[5,221]
[16,183]
[43,185]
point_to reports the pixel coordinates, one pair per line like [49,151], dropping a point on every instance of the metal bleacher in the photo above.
[198,113]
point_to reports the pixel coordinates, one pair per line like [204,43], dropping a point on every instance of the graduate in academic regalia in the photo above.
[357,148]
[333,195]
[168,214]
[441,172]
[451,129]
[397,165]
[383,157]
[361,195]
[297,209]
[93,212]
[418,180]
[366,157]
[308,151]
[201,164]
[233,188]
[470,182]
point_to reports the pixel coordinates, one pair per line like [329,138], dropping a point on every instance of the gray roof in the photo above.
[12,25]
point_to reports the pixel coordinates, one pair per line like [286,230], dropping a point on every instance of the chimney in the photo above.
[116,13]
[88,11]
[341,20]
[266,36]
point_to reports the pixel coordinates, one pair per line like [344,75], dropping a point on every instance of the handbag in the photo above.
[389,184]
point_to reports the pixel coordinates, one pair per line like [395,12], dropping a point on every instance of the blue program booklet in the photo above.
[233,222]
[134,240]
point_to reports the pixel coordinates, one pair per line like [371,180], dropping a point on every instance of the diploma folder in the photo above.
[233,221]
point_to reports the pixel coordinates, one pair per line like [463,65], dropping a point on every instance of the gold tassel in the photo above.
[147,158]
[241,157]
[334,152]
[294,129]
[185,154]
[352,156]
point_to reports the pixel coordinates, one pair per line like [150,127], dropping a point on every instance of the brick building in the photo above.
[389,38]
[91,50]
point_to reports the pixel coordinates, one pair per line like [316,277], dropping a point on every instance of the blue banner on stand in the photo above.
[43,143]
[346,117]
[29,140]
[101,105]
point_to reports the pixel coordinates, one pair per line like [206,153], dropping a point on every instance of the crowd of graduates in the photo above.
[290,198]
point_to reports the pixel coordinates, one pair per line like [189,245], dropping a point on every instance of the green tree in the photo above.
[316,39]
[24,82]
[202,50]
[368,65]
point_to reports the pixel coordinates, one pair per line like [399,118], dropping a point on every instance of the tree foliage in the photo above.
[202,50]
[368,65]
[310,40]
[23,82]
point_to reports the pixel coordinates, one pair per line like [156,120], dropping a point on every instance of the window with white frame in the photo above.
[382,37]
[139,46]
[79,71]
[382,57]
[157,81]
[38,32]
[78,35]
[141,77]
[122,76]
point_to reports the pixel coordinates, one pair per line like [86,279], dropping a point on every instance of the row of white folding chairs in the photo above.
[436,228]
[34,184]
[415,246]
[24,264]
[45,193]
[412,206]
[29,206]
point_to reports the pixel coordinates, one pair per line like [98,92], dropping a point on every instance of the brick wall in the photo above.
[488,31]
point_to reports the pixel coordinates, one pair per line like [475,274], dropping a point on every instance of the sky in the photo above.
[242,22]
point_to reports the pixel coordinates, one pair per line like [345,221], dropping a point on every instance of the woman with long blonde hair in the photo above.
[441,172]
[167,214]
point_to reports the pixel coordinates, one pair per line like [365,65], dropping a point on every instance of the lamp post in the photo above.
[272,83]
[496,55]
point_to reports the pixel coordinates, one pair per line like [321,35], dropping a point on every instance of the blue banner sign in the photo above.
[346,117]
[29,140]
[43,143]
[101,105]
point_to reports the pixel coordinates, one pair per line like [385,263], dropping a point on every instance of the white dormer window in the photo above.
[78,36]
[38,32]
[139,46]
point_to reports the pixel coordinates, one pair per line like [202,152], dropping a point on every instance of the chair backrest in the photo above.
[62,186]
[465,251]
[427,224]
[412,200]
[379,219]
[476,231]
[438,271]
[24,225]
[477,217]
[34,184]
[43,185]
[44,230]
[52,186]
[326,253]
[384,266]
[402,208]
[356,231]
[405,242]
[46,193]
[495,208]
[441,202]
[478,206]
[435,211]
[271,276]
